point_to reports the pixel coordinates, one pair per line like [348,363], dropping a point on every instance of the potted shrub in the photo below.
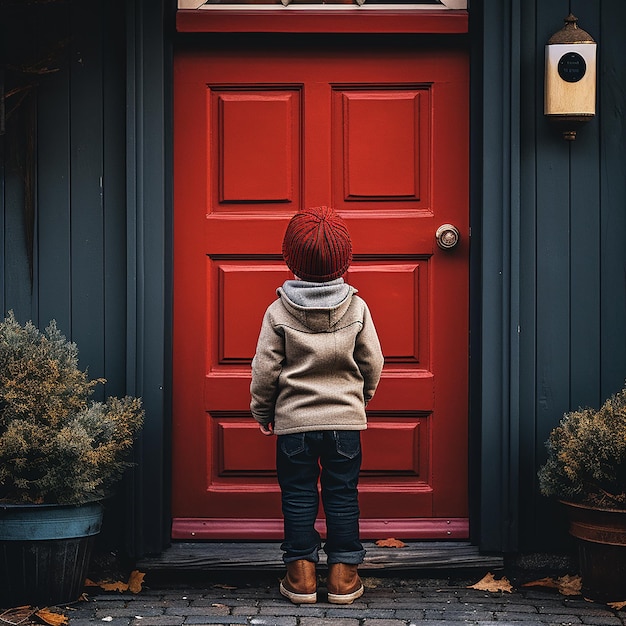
[60,455]
[586,471]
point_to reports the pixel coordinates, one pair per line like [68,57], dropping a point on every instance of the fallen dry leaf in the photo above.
[570,585]
[567,585]
[542,582]
[52,618]
[135,581]
[17,615]
[489,583]
[116,585]
[134,584]
[390,543]
[618,606]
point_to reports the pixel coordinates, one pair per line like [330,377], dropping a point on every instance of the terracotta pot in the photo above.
[601,539]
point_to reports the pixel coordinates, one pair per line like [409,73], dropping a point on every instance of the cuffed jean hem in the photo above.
[311,556]
[349,558]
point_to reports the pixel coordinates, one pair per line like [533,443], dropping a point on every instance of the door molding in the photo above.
[327,19]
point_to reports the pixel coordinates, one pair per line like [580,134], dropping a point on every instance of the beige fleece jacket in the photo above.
[315,368]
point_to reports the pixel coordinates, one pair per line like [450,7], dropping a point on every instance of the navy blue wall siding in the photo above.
[548,225]
[79,229]
[79,260]
[612,234]
[148,192]
[572,309]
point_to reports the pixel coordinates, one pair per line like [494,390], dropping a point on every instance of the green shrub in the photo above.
[56,444]
[587,456]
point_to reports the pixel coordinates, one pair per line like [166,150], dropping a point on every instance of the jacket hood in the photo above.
[319,306]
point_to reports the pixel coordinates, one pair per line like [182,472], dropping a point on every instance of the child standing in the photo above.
[317,364]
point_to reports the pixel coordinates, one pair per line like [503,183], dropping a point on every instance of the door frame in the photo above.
[495,44]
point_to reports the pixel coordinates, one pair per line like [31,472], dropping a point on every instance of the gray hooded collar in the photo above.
[319,306]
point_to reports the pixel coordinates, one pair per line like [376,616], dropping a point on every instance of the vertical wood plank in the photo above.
[531,107]
[545,279]
[149,210]
[53,179]
[114,198]
[86,176]
[553,254]
[496,178]
[613,215]
[585,203]
[16,289]
[19,47]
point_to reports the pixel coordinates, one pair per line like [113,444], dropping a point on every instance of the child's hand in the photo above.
[267,429]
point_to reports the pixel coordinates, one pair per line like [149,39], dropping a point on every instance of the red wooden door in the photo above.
[380,132]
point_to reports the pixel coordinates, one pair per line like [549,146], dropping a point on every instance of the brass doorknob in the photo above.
[447,236]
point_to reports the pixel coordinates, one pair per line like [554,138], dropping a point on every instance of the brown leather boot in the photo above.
[300,584]
[344,584]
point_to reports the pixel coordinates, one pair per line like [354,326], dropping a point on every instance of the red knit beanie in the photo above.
[317,245]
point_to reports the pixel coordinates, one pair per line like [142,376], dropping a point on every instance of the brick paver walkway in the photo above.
[386,602]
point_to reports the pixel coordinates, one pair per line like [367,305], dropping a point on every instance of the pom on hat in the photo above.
[317,245]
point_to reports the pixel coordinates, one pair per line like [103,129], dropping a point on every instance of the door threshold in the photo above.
[266,556]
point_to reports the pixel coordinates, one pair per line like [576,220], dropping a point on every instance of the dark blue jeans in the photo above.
[299,458]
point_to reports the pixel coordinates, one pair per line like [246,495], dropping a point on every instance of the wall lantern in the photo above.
[570,80]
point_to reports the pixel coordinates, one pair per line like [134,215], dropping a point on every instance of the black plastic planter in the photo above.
[45,552]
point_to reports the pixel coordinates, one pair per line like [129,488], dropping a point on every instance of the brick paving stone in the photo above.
[515,616]
[159,620]
[572,610]
[218,599]
[458,613]
[409,614]
[579,610]
[601,620]
[297,610]
[142,603]
[231,601]
[510,622]
[101,614]
[274,621]
[215,619]
[277,601]
[383,622]
[357,613]
[322,621]
[437,622]
[245,610]
[215,609]
[144,611]
[506,606]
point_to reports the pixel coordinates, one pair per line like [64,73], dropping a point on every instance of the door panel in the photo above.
[378,137]
[381,134]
